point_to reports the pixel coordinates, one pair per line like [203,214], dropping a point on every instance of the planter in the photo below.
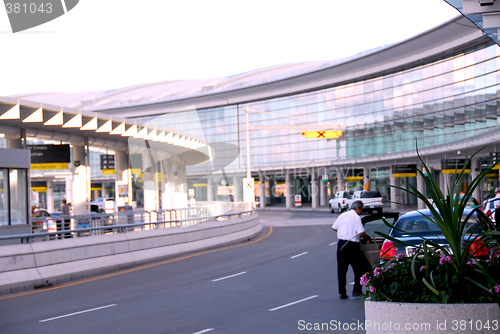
[393,317]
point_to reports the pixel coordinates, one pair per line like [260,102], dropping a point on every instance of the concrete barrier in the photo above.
[25,267]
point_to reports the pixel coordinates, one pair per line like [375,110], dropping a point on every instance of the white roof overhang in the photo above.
[58,123]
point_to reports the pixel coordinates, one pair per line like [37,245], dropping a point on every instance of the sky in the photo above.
[110,44]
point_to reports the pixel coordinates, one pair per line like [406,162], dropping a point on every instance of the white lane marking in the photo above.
[333,243]
[293,257]
[72,314]
[220,279]
[293,303]
[204,331]
[352,283]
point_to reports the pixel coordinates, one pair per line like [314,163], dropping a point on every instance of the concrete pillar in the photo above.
[290,198]
[237,192]
[168,185]
[366,178]
[103,187]
[50,195]
[420,187]
[475,170]
[340,180]
[262,183]
[323,194]
[80,182]
[394,200]
[150,190]
[123,178]
[314,189]
[210,189]
[181,198]
[443,184]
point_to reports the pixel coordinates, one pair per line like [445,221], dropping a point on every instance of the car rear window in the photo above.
[423,226]
[370,194]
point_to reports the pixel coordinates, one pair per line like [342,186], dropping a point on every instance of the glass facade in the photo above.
[435,103]
[13,196]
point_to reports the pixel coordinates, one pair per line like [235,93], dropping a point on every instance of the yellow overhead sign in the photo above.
[455,171]
[49,165]
[322,134]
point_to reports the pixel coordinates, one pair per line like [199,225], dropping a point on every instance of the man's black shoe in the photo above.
[358,294]
[344,296]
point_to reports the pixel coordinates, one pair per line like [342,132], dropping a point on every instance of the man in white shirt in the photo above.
[497,206]
[349,228]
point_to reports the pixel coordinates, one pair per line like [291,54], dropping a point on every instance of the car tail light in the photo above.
[488,213]
[343,201]
[478,248]
[387,251]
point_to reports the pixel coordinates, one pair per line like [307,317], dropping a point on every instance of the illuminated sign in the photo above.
[404,170]
[452,166]
[322,134]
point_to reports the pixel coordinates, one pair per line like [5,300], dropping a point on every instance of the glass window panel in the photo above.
[18,196]
[397,79]
[369,86]
[418,74]
[469,59]
[4,197]
[427,72]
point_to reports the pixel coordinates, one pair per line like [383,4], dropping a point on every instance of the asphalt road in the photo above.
[283,281]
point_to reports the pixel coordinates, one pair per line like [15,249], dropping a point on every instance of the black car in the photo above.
[413,226]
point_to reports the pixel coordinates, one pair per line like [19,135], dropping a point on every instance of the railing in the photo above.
[65,227]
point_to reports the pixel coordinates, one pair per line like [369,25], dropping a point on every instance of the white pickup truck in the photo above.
[340,202]
[372,200]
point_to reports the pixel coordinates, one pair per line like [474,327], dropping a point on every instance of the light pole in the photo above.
[247,115]
[248,182]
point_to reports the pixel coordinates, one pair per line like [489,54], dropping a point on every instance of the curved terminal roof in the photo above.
[455,36]
[171,90]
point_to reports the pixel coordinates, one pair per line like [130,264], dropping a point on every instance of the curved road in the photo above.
[283,281]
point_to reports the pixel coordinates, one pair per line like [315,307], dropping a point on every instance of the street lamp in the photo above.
[247,111]
[248,182]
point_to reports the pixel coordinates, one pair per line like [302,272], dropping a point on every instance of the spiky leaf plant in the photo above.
[460,272]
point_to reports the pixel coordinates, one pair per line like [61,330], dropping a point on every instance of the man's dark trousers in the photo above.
[349,253]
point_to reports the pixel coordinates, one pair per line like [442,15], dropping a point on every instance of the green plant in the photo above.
[443,274]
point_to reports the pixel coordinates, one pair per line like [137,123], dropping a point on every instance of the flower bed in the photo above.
[404,280]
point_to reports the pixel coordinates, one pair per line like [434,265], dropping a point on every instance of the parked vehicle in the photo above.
[372,200]
[413,224]
[104,204]
[45,223]
[340,201]
[488,208]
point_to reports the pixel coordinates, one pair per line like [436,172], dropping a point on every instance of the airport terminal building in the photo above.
[438,90]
